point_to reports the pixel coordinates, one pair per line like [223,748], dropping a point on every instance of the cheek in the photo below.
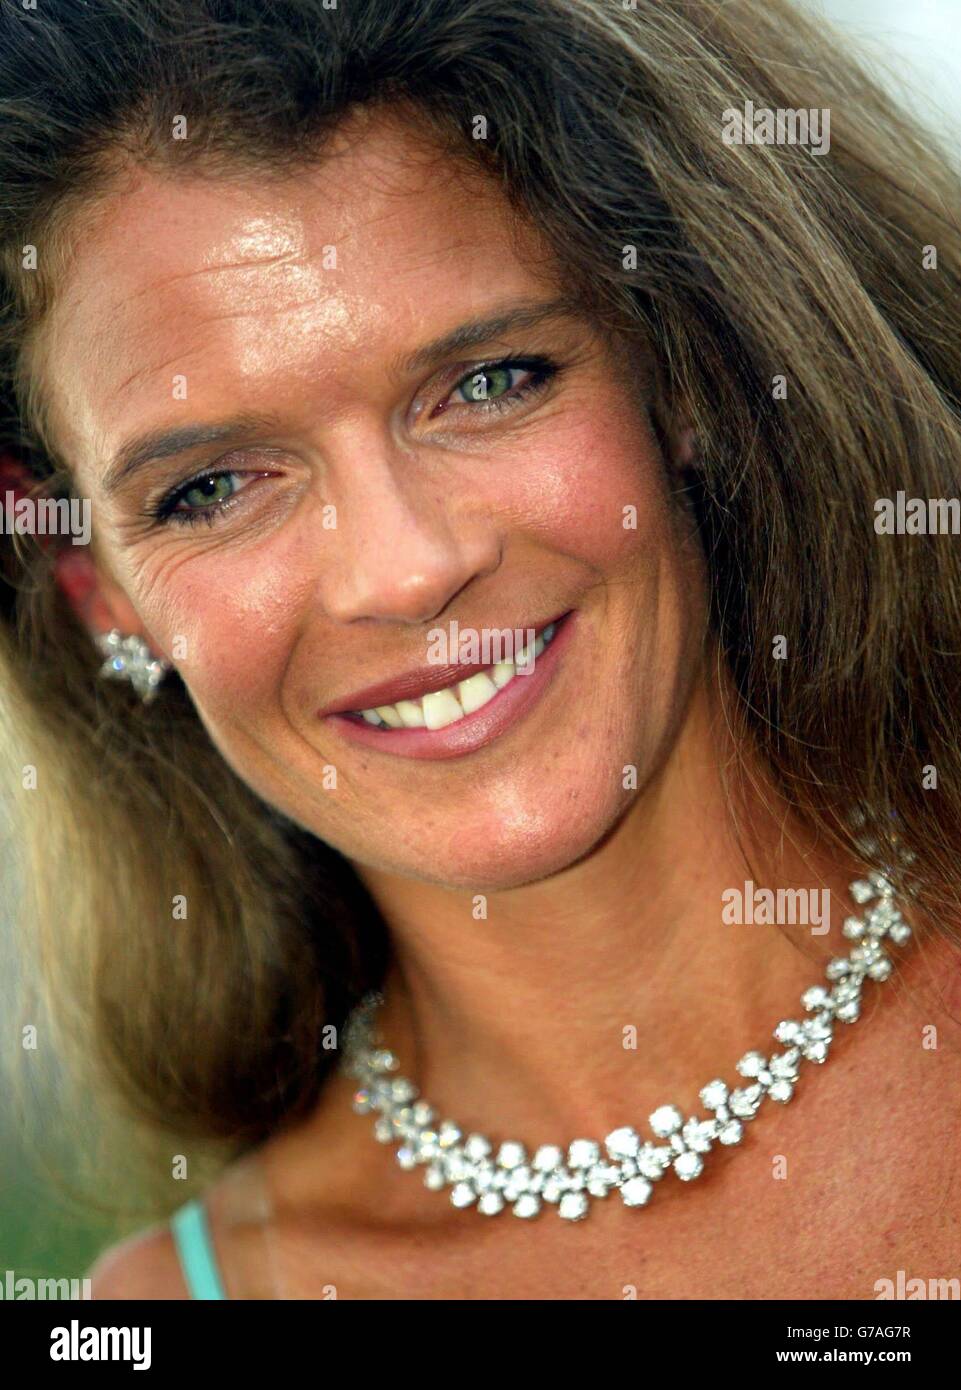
[230,621]
[595,489]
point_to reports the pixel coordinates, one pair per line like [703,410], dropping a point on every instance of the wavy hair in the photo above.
[736,264]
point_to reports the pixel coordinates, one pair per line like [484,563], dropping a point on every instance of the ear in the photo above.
[682,442]
[97,599]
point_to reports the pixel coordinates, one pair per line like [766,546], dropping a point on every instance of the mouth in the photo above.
[445,711]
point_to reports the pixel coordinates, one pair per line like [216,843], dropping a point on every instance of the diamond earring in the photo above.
[128,658]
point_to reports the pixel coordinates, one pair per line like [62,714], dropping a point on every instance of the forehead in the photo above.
[267,285]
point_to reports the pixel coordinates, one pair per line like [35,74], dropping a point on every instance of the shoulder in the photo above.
[144,1266]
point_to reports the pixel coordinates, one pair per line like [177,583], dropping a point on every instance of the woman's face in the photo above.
[367,495]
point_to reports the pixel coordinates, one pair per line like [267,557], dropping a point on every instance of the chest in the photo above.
[851,1190]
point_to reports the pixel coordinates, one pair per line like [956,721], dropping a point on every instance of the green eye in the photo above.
[216,488]
[487,384]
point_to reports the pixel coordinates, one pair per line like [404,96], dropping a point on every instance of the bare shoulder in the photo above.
[144,1266]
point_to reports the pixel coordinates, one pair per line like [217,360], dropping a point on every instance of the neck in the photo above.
[616,983]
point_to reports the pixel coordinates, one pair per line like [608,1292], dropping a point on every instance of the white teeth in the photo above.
[476,691]
[411,714]
[390,716]
[441,708]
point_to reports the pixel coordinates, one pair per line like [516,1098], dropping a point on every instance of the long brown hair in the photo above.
[739,264]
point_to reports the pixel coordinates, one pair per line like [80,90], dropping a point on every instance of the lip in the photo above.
[472,732]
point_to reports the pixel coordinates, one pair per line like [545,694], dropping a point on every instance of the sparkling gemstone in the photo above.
[752,1063]
[402,1090]
[899,933]
[744,1103]
[880,969]
[666,1120]
[814,998]
[448,1135]
[518,1180]
[407,1156]
[688,1165]
[490,1203]
[476,1147]
[714,1094]
[458,1168]
[428,1143]
[601,1178]
[635,1192]
[484,1176]
[383,1060]
[881,919]
[583,1153]
[816,1052]
[837,968]
[785,1064]
[652,1160]
[622,1143]
[848,1013]
[362,1102]
[527,1206]
[862,891]
[853,928]
[731,1133]
[511,1154]
[789,1031]
[699,1135]
[781,1090]
[434,1177]
[548,1157]
[513,1190]
[553,1189]
[383,1130]
[573,1206]
[422,1113]
[818,1028]
[461,1194]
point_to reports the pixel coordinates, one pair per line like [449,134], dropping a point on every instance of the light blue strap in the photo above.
[195,1250]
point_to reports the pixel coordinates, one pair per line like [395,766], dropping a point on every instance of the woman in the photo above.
[462,321]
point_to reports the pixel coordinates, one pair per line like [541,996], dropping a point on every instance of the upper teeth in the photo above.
[443,707]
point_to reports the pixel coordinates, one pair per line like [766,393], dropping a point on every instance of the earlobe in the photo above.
[684,446]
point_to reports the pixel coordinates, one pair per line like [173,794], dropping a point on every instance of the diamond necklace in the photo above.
[569,1179]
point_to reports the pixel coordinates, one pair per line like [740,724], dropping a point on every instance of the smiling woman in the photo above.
[359,323]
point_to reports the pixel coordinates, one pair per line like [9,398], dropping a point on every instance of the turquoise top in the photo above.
[191,1233]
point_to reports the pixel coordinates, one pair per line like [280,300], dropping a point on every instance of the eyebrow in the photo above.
[165,443]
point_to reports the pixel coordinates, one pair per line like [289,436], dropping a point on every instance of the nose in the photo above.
[402,548]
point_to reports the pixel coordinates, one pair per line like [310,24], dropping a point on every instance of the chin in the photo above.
[522,843]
